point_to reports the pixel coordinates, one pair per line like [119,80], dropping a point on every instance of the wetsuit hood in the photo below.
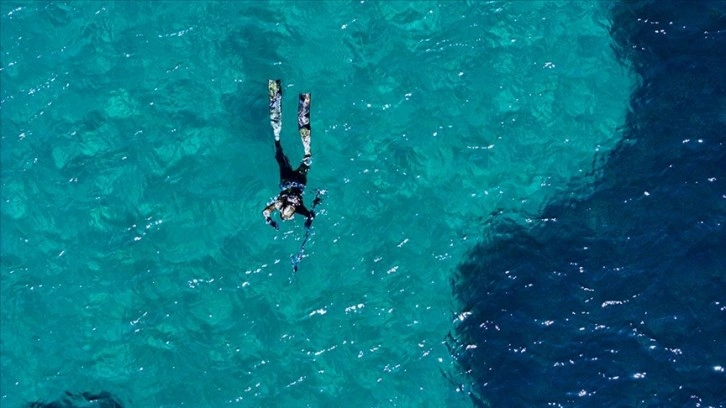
[287,212]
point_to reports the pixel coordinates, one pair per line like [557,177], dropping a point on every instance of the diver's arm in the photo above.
[267,212]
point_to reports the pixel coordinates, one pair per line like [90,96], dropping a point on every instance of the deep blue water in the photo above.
[618,299]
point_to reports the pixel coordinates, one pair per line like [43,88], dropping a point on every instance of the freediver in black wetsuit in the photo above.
[292,182]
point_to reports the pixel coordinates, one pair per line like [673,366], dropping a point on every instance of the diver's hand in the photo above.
[272,223]
[309,221]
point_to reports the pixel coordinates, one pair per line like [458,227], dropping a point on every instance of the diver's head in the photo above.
[287,212]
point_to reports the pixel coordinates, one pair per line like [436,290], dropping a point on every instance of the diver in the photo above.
[292,182]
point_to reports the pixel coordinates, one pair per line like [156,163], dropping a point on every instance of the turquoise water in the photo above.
[137,156]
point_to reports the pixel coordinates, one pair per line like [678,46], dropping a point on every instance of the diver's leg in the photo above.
[275,91]
[286,172]
[303,124]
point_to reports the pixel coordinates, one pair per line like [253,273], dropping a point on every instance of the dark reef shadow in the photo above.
[619,302]
[81,400]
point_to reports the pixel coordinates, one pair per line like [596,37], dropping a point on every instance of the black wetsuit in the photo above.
[292,182]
